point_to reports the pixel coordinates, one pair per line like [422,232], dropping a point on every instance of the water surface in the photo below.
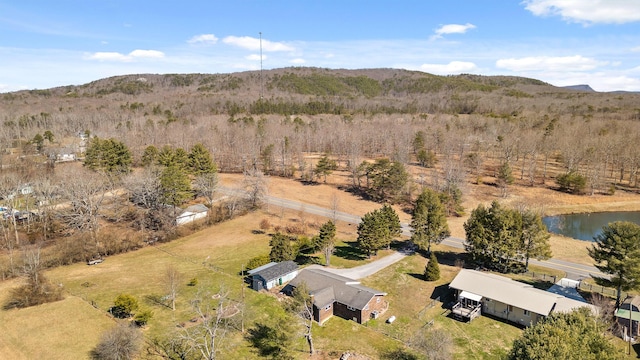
[586,226]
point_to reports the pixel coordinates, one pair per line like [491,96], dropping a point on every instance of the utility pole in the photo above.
[261,91]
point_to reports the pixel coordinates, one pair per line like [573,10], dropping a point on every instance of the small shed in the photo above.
[273,274]
[628,314]
[192,213]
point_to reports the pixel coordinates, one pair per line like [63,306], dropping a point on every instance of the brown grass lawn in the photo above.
[70,328]
[66,329]
[544,199]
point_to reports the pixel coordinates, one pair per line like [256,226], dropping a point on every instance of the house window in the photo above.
[366,307]
[527,313]
[509,308]
[378,299]
[327,308]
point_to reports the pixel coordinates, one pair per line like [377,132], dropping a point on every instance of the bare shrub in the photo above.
[265,224]
[37,289]
[121,342]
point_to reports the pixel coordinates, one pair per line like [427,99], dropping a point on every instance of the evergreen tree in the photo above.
[175,186]
[577,335]
[385,179]
[48,135]
[429,222]
[325,167]
[371,232]
[108,155]
[166,156]
[505,178]
[38,141]
[200,161]
[535,238]
[432,270]
[326,240]
[493,236]
[617,252]
[281,249]
[149,156]
[392,221]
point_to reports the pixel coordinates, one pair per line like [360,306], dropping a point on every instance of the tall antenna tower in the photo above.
[261,88]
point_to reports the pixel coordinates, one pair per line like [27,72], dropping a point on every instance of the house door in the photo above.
[280,281]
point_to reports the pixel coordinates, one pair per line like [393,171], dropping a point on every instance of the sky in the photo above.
[45,44]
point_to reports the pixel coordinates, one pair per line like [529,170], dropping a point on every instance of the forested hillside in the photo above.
[270,120]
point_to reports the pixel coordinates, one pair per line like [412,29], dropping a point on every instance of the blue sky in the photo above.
[564,42]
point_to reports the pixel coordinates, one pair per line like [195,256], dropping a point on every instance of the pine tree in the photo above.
[429,222]
[200,161]
[392,221]
[281,249]
[175,186]
[325,167]
[617,252]
[432,270]
[326,240]
[371,232]
[535,238]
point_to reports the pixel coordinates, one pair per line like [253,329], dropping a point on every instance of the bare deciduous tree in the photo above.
[85,194]
[216,317]
[256,187]
[172,279]
[121,342]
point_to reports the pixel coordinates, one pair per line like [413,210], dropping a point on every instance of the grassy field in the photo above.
[215,256]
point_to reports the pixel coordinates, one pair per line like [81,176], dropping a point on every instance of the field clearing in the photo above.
[65,329]
[546,200]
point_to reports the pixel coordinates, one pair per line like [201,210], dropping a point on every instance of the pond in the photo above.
[586,226]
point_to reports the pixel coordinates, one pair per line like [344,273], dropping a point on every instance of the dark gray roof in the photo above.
[327,288]
[260,268]
[277,270]
[197,208]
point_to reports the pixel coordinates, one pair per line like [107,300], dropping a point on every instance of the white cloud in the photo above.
[146,54]
[206,39]
[250,43]
[454,67]
[452,29]
[255,57]
[636,49]
[116,56]
[297,61]
[587,11]
[549,63]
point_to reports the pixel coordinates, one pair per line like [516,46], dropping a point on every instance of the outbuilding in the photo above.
[273,274]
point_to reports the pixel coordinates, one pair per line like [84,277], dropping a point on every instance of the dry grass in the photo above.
[61,330]
[546,200]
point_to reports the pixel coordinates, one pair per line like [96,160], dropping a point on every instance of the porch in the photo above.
[468,307]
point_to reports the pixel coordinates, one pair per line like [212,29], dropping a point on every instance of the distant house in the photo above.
[485,293]
[628,314]
[337,295]
[192,213]
[273,274]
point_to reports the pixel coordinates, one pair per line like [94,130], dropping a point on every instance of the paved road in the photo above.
[365,270]
[574,271]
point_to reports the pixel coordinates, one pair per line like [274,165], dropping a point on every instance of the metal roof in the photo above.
[278,270]
[513,292]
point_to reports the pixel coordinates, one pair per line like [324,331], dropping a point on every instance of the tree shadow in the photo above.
[156,299]
[636,349]
[350,251]
[450,258]
[443,292]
